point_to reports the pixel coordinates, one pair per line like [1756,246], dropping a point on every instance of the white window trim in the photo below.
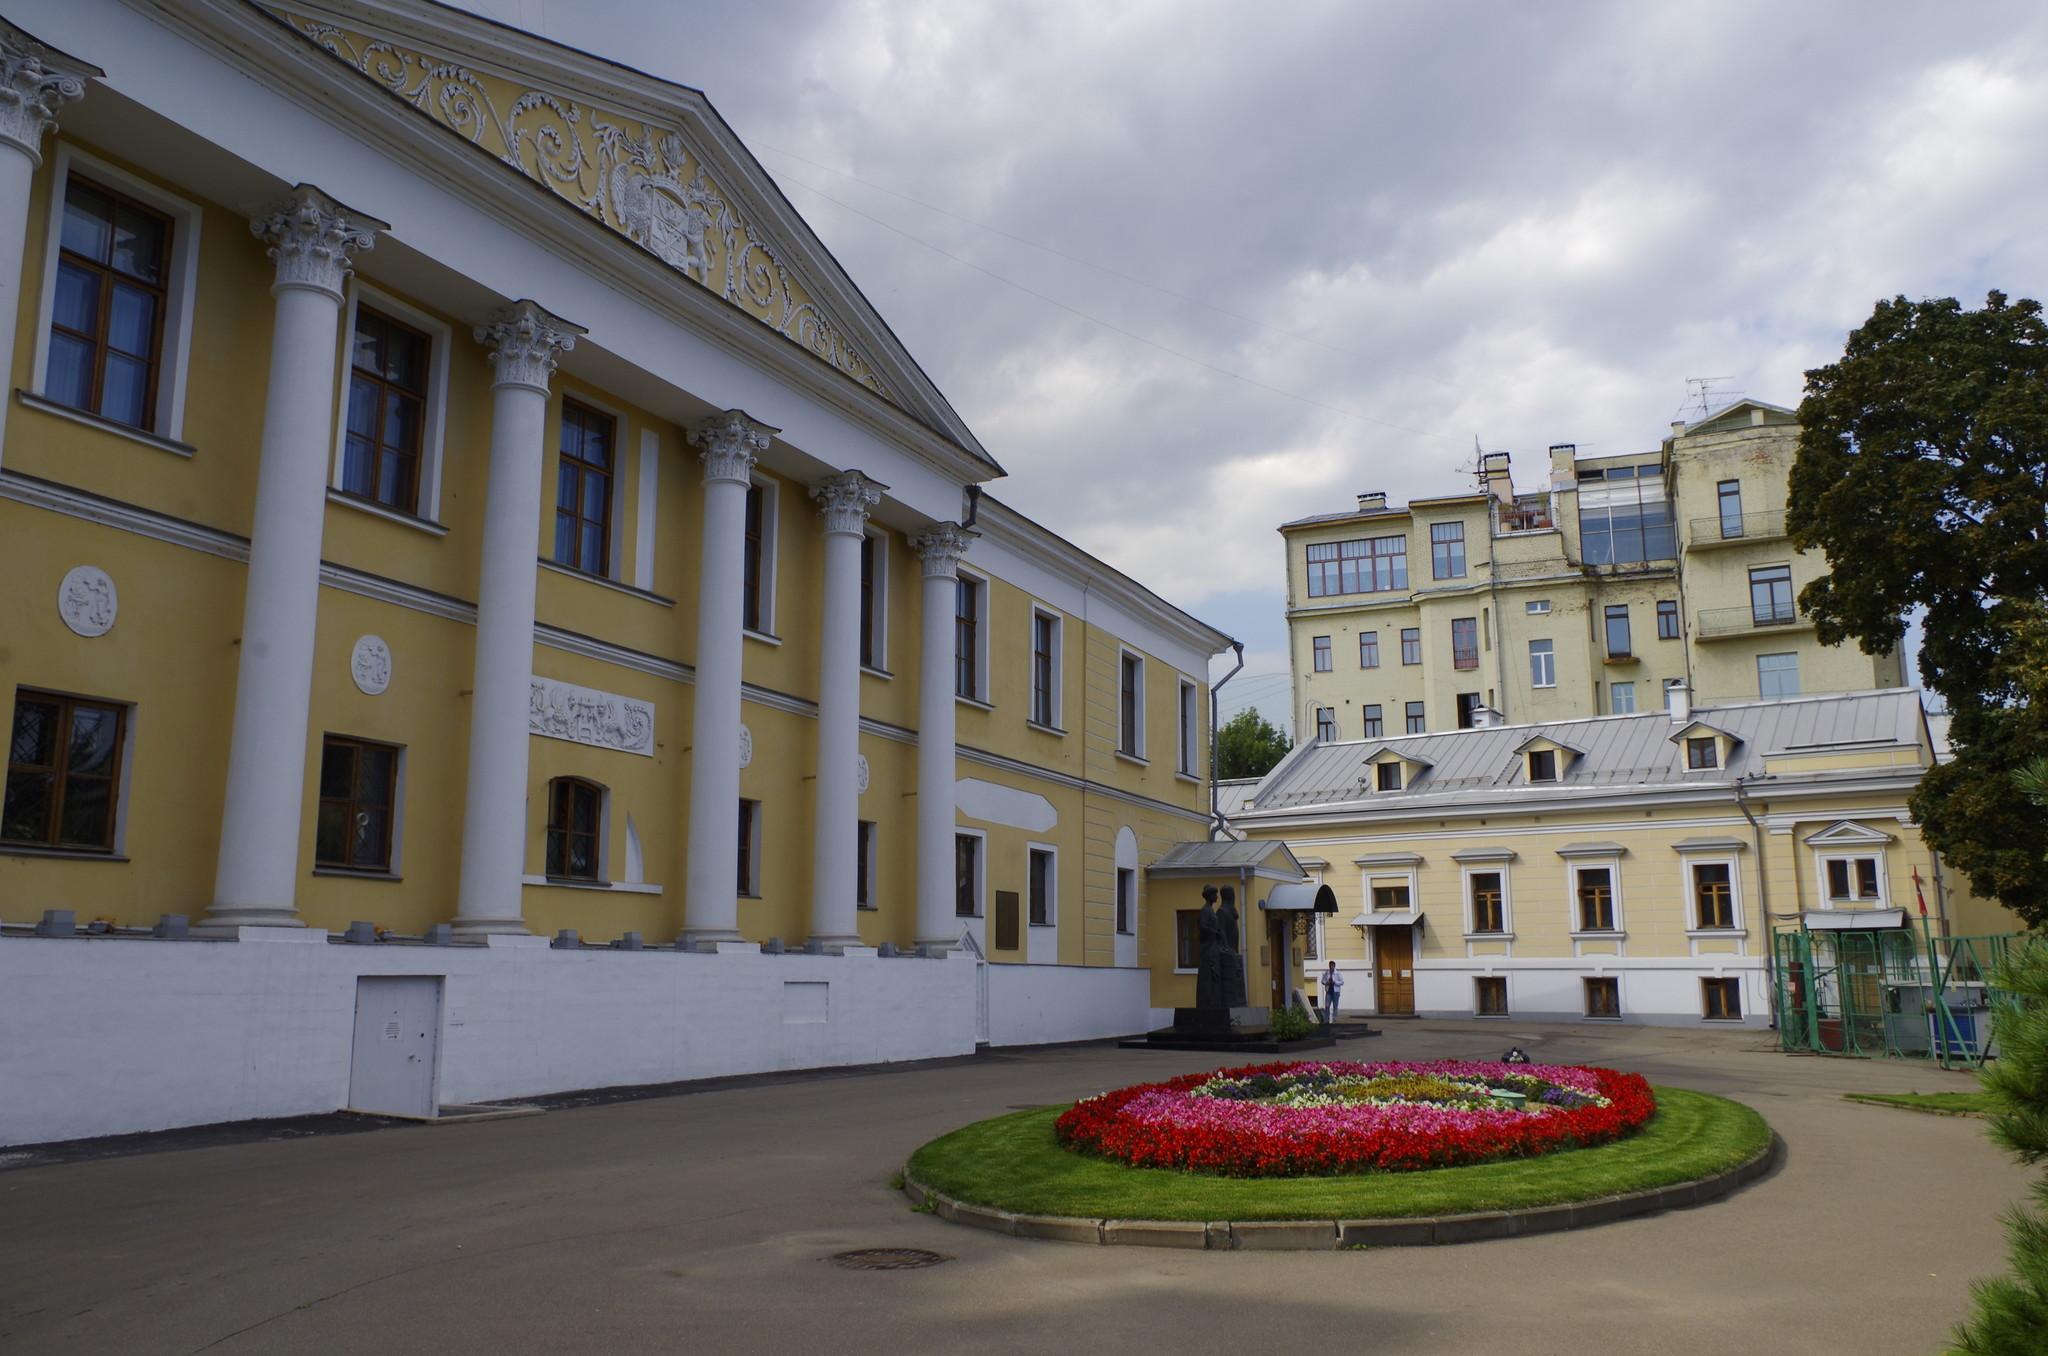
[984,622]
[1551,655]
[1059,662]
[616,531]
[167,420]
[980,873]
[1507,903]
[1371,876]
[753,885]
[1116,883]
[1612,707]
[1693,926]
[1188,711]
[1052,882]
[433,428]
[1539,607]
[1137,754]
[771,524]
[872,830]
[1620,997]
[878,638]
[1876,852]
[1572,867]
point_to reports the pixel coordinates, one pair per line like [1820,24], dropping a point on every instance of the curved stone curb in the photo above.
[1330,1235]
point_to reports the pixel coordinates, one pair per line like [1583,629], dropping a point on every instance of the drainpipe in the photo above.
[1763,899]
[1215,710]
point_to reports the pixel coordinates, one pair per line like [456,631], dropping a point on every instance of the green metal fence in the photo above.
[1889,993]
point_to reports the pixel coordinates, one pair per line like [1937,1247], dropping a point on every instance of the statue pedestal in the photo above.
[1220,1024]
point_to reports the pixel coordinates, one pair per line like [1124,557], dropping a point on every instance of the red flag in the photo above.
[1917,894]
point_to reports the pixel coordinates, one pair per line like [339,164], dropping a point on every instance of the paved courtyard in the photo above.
[698,1223]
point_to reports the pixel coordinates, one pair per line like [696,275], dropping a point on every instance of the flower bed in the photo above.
[1321,1117]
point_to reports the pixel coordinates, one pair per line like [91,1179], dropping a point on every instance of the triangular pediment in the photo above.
[1848,833]
[646,158]
[1699,729]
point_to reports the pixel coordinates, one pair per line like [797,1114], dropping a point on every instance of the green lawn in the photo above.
[1935,1103]
[1013,1163]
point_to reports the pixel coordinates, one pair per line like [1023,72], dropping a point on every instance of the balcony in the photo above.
[1733,529]
[1726,623]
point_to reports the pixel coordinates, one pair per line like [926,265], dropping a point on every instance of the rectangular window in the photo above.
[1131,707]
[1447,550]
[583,490]
[387,412]
[1729,493]
[969,596]
[1126,900]
[1321,645]
[864,865]
[1326,725]
[1770,595]
[1777,675]
[63,772]
[1543,765]
[1618,646]
[1621,698]
[1490,996]
[1713,893]
[1542,664]
[1045,669]
[1667,619]
[1488,915]
[1190,727]
[874,601]
[754,567]
[1702,752]
[1537,607]
[1187,939]
[1627,534]
[1411,645]
[1373,565]
[1595,889]
[1415,721]
[575,844]
[1368,649]
[1373,725]
[966,875]
[1852,879]
[107,320]
[1390,899]
[1464,642]
[358,790]
[1721,999]
[749,882]
[1387,776]
[1603,997]
[1468,710]
[1041,887]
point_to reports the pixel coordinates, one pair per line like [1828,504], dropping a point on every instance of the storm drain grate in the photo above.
[887,1259]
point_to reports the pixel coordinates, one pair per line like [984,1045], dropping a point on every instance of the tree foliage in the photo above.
[1248,745]
[1922,475]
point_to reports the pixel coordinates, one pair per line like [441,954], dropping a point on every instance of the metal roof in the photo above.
[1616,752]
[1232,793]
[1269,859]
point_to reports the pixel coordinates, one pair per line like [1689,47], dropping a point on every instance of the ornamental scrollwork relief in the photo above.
[584,715]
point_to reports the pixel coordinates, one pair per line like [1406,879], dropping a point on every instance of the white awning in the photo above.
[1853,920]
[1388,918]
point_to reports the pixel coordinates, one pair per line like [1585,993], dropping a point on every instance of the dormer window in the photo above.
[1702,752]
[1387,777]
[1543,765]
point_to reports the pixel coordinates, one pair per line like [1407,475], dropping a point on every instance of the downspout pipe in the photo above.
[1763,897]
[1215,710]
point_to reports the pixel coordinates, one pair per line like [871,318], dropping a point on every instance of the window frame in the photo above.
[181,269]
[1411,646]
[1792,669]
[1504,905]
[1609,983]
[1729,985]
[1612,613]
[433,425]
[1368,649]
[1187,924]
[1536,607]
[874,601]
[1531,774]
[1696,919]
[394,808]
[1615,690]
[1467,656]
[557,786]
[1695,746]
[1387,775]
[1365,566]
[1447,551]
[1548,668]
[973,584]
[1776,581]
[1130,735]
[1478,1008]
[866,841]
[748,881]
[614,485]
[1321,657]
[758,554]
[116,778]
[1667,619]
[1415,718]
[1188,695]
[1375,725]
[1575,906]
[978,885]
[1827,859]
[1054,716]
[1326,725]
[1724,491]
[1125,902]
[1050,853]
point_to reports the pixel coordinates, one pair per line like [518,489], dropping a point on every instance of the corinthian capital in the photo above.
[844,501]
[730,444]
[525,343]
[312,237]
[940,547]
[33,81]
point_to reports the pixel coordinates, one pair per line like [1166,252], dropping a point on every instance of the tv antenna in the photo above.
[1704,395]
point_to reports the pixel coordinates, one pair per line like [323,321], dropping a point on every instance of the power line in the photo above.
[1111,325]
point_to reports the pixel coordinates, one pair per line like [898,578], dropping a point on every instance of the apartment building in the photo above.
[1593,594]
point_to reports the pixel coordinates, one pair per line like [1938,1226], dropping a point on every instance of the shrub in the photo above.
[1288,1024]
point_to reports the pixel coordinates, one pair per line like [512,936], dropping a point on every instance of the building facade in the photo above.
[1590,596]
[446,487]
[1628,868]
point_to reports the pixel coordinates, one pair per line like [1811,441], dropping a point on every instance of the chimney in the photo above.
[1678,428]
[1564,473]
[1680,698]
[1485,718]
[1372,501]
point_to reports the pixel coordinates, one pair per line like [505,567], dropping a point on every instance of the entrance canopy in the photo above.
[1269,860]
[1301,897]
[1388,918]
[1852,920]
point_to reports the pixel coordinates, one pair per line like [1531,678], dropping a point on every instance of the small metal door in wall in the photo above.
[395,1063]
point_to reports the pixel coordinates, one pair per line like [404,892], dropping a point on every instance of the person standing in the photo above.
[1333,992]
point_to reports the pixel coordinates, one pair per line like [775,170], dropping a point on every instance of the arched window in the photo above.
[575,829]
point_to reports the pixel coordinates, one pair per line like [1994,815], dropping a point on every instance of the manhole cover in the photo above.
[886,1259]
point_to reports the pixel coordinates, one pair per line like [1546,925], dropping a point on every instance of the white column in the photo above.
[843,501]
[940,548]
[33,82]
[524,342]
[311,237]
[728,444]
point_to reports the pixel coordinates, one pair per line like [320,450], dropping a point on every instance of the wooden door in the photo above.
[1394,970]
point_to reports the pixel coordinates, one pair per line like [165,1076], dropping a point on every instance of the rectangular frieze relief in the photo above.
[584,715]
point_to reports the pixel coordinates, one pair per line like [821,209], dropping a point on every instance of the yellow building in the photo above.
[1620,577]
[1627,867]
[444,482]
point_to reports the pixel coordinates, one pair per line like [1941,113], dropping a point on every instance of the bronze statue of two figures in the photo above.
[1219,982]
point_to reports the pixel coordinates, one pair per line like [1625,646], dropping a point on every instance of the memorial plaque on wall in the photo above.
[1006,920]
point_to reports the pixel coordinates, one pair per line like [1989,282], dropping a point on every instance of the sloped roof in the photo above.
[1269,859]
[1618,752]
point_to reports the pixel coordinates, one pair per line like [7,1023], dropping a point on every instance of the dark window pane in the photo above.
[70,376]
[124,393]
[390,474]
[358,460]
[592,555]
[373,775]
[597,442]
[26,815]
[397,420]
[565,539]
[35,734]
[88,222]
[580,863]
[337,770]
[565,486]
[554,860]
[131,320]
[138,244]
[405,358]
[362,408]
[93,731]
[367,847]
[584,810]
[596,496]
[87,818]
[78,299]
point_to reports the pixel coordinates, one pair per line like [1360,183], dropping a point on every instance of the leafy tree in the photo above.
[1248,745]
[1922,475]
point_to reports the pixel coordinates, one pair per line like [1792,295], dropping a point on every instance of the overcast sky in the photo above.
[1250,259]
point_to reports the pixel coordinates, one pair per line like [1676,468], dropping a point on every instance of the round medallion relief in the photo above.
[746,746]
[87,602]
[861,773]
[370,665]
